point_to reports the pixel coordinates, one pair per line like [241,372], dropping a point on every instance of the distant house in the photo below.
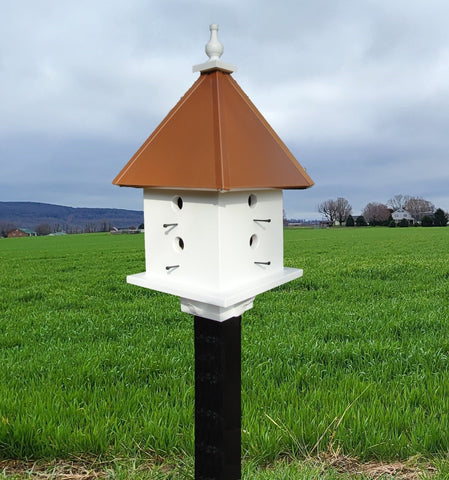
[121,231]
[401,214]
[22,232]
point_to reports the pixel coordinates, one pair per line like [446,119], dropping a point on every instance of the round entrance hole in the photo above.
[253,241]
[178,203]
[179,244]
[252,200]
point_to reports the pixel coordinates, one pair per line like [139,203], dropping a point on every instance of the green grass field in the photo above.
[352,358]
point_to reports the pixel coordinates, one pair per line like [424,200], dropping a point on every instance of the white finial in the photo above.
[214,50]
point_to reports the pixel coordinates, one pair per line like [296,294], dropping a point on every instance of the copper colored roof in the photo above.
[214,138]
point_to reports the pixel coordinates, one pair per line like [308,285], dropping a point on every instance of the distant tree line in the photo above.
[422,212]
[47,228]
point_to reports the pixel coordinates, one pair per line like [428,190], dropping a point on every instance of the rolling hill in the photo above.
[70,219]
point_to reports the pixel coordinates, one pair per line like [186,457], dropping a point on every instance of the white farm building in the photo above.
[400,214]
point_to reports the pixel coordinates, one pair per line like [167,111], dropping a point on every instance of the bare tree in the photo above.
[418,207]
[335,210]
[329,209]
[344,209]
[376,213]
[5,228]
[398,201]
[43,229]
[90,227]
[105,225]
[69,228]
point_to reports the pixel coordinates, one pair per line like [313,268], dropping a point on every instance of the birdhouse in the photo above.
[212,175]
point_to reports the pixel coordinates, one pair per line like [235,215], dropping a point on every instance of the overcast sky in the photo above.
[357,89]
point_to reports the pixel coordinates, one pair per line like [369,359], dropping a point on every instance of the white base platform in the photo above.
[214,312]
[215,304]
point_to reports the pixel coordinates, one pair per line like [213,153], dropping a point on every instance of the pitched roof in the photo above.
[214,138]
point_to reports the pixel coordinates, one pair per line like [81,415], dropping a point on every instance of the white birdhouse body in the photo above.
[214,237]
[213,248]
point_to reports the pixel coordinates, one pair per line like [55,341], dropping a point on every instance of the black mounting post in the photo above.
[217,399]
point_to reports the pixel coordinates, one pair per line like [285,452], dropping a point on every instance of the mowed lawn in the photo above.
[353,357]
